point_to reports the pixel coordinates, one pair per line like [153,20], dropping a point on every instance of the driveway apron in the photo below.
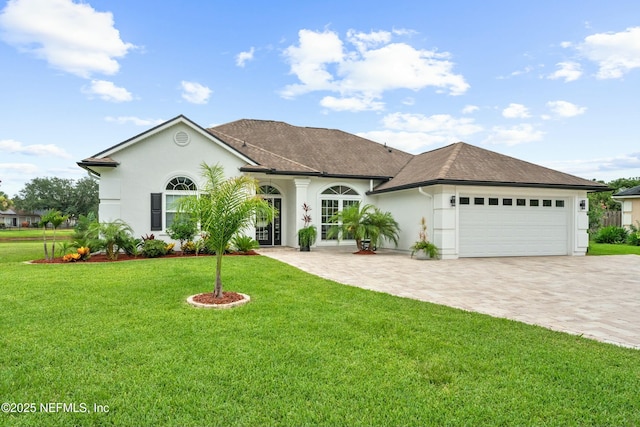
[596,297]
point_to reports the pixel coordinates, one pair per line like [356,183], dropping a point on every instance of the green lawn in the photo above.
[304,351]
[33,233]
[610,249]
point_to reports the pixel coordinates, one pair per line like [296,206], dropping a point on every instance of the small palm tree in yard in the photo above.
[360,222]
[224,208]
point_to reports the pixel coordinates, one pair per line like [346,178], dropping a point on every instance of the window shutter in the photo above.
[156,211]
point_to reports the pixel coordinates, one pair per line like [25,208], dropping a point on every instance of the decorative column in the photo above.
[302,184]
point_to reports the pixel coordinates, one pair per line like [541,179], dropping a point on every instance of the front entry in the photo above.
[269,233]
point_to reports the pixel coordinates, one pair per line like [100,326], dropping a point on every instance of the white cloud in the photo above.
[565,109]
[41,150]
[353,104]
[513,135]
[516,111]
[615,53]
[107,91]
[367,66]
[599,166]
[412,142]
[569,71]
[413,132]
[133,120]
[20,168]
[243,57]
[72,37]
[468,109]
[195,92]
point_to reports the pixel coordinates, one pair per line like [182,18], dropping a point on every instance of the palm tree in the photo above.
[382,226]
[112,236]
[224,208]
[56,220]
[350,224]
[364,222]
[44,221]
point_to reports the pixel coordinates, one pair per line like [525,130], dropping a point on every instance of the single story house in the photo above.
[11,218]
[477,203]
[630,200]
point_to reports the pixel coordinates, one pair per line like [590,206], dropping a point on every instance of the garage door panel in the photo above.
[490,230]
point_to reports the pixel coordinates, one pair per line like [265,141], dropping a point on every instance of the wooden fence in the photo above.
[612,218]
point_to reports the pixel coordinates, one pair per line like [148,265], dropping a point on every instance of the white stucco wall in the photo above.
[147,166]
[434,203]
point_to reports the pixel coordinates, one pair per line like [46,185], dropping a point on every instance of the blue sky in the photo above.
[552,82]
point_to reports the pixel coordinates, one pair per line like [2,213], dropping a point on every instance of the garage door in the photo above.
[512,226]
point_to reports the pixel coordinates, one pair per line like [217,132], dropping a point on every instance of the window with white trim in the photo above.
[176,189]
[333,200]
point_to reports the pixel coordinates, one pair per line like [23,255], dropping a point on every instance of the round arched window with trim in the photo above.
[176,189]
[333,200]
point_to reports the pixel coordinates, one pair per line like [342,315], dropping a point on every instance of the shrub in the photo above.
[131,246]
[154,248]
[183,229]
[245,243]
[188,248]
[611,234]
[634,235]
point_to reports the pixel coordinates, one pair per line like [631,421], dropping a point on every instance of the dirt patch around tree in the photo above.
[228,300]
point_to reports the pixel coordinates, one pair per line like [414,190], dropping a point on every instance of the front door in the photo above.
[269,233]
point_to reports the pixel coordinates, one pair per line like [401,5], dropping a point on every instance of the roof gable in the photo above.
[279,147]
[462,163]
[103,158]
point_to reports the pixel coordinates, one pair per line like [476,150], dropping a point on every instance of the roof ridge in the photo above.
[444,170]
[263,150]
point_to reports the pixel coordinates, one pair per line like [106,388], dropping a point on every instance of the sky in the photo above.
[556,83]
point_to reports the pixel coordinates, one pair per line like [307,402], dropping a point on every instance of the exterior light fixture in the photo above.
[583,204]
[452,200]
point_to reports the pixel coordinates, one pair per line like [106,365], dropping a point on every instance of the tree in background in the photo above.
[65,195]
[601,202]
[5,201]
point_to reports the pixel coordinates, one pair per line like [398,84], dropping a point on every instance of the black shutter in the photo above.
[156,211]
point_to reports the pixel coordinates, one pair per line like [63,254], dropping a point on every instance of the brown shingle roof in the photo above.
[284,148]
[461,163]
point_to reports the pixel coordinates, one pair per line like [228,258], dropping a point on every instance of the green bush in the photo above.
[611,234]
[154,248]
[245,243]
[634,235]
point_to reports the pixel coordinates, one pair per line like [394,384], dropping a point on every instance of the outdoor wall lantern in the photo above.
[453,201]
[583,204]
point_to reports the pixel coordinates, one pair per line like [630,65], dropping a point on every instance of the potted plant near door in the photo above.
[308,233]
[423,248]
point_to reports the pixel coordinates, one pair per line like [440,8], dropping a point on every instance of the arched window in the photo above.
[181,183]
[268,190]
[333,200]
[177,188]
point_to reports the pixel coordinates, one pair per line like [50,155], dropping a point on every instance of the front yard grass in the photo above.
[304,351]
[612,249]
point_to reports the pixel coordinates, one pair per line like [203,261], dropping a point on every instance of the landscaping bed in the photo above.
[100,257]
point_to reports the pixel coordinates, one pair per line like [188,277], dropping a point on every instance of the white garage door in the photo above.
[512,226]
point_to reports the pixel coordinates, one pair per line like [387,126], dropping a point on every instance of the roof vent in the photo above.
[181,138]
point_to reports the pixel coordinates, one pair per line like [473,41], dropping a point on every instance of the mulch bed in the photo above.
[125,257]
[227,298]
[363,252]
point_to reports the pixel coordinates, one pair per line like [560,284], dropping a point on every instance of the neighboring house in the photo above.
[630,200]
[476,202]
[10,218]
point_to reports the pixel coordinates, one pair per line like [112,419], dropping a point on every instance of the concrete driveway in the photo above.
[597,297]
